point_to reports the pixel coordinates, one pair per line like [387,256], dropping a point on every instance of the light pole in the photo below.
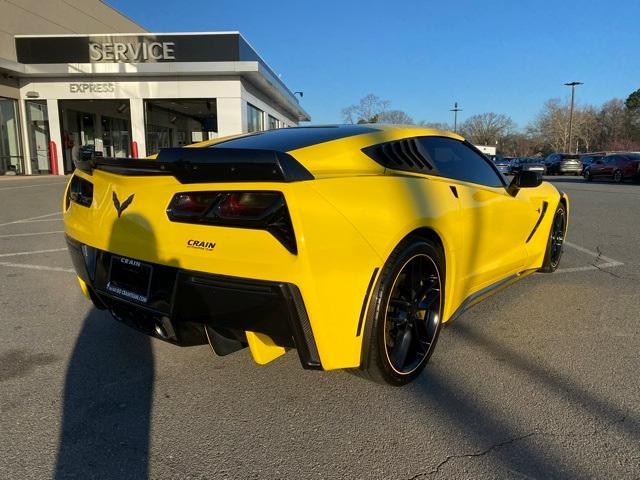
[455,111]
[573,93]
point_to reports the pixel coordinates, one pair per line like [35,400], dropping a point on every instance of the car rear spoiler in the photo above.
[201,165]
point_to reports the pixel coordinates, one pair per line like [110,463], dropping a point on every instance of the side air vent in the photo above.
[404,154]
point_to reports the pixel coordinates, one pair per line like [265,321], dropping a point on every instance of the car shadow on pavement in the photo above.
[596,407]
[493,431]
[107,403]
[108,390]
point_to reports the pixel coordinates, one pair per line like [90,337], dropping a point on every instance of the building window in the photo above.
[255,119]
[179,122]
[100,126]
[273,122]
[10,154]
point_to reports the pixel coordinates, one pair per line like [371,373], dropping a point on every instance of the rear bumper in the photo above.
[570,168]
[188,308]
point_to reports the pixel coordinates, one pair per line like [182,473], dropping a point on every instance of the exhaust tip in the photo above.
[160,331]
[164,328]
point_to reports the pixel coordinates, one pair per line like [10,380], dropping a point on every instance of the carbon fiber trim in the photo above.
[301,328]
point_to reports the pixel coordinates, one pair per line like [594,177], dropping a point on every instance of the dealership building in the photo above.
[64,91]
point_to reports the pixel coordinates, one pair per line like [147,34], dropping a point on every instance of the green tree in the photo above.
[633,101]
[633,110]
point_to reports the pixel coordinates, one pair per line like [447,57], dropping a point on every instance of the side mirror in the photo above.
[524,179]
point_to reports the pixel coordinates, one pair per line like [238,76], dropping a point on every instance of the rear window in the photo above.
[286,139]
[570,157]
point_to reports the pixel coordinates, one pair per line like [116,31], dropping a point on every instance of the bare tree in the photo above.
[519,144]
[552,125]
[397,117]
[436,125]
[615,127]
[349,114]
[487,128]
[586,127]
[369,109]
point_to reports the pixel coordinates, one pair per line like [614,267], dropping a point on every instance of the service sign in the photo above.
[131,51]
[145,48]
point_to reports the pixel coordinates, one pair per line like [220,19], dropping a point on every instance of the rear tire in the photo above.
[617,176]
[555,243]
[587,176]
[405,311]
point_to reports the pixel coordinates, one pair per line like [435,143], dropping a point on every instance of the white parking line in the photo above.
[41,220]
[36,267]
[24,220]
[31,186]
[13,235]
[32,252]
[607,261]
[592,253]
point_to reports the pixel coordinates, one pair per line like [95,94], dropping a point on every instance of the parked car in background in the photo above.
[502,164]
[589,158]
[563,163]
[616,167]
[530,164]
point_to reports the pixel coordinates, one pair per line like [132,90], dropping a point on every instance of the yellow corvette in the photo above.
[351,244]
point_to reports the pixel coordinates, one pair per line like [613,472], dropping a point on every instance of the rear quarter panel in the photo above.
[385,209]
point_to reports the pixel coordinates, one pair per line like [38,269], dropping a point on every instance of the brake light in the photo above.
[80,191]
[192,204]
[261,210]
[247,204]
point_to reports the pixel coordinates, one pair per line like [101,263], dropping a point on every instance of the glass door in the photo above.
[38,126]
[115,137]
[10,151]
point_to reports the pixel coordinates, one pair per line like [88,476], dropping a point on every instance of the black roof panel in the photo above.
[287,139]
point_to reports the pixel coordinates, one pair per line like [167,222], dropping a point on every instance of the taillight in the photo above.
[190,205]
[248,204]
[262,210]
[80,191]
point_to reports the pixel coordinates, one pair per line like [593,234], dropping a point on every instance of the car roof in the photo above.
[294,138]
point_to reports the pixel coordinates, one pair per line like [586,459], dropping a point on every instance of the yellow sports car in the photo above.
[351,244]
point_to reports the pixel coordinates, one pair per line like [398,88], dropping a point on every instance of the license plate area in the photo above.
[129,278]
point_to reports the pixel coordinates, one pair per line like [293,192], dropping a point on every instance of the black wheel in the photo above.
[617,176]
[556,241]
[587,175]
[404,313]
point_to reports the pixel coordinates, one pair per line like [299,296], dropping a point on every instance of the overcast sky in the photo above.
[501,56]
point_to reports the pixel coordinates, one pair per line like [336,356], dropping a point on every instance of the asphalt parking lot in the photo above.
[539,381]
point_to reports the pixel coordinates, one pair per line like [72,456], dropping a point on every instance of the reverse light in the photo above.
[260,210]
[80,191]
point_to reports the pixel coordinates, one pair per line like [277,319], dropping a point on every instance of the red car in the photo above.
[617,167]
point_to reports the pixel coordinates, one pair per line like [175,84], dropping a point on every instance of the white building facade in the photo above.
[129,95]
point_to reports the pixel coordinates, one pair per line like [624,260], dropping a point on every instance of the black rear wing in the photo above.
[202,165]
